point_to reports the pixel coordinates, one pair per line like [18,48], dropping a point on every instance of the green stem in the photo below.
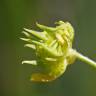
[84,58]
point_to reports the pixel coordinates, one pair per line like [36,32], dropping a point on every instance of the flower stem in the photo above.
[84,58]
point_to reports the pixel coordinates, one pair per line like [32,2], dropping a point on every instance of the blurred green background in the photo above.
[79,79]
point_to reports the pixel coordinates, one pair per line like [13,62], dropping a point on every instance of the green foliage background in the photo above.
[79,79]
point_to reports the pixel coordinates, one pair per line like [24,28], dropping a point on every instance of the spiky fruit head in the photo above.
[52,48]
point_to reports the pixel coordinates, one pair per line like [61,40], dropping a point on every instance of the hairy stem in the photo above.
[84,58]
